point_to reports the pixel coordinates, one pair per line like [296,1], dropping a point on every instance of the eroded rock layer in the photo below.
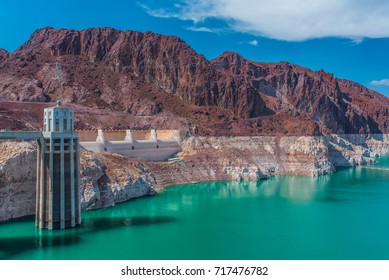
[107,179]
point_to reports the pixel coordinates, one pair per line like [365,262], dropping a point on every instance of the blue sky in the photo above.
[349,38]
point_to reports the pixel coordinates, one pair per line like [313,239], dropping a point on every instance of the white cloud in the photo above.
[290,20]
[200,29]
[384,82]
[357,40]
[253,43]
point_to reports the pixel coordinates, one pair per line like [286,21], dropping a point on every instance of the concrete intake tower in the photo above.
[58,171]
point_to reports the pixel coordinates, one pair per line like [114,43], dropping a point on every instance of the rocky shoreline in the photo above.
[107,179]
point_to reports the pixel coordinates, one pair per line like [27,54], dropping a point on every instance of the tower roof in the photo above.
[59,106]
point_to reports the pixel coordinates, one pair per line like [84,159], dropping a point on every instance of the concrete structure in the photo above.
[20,135]
[150,145]
[58,169]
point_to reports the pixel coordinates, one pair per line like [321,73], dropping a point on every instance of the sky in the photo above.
[349,38]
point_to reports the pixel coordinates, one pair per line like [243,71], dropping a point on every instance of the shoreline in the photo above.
[108,179]
[162,190]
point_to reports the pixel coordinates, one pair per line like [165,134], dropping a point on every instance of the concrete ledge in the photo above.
[21,135]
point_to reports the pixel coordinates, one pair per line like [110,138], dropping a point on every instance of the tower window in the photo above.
[65,124]
[56,124]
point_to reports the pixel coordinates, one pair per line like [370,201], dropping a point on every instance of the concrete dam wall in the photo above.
[151,145]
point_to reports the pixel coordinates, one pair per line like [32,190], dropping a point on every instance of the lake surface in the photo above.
[340,216]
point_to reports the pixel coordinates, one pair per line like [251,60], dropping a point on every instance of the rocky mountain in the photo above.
[3,54]
[336,105]
[123,76]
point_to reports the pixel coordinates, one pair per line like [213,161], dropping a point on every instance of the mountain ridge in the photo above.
[147,74]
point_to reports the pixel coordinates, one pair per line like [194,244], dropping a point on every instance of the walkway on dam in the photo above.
[20,135]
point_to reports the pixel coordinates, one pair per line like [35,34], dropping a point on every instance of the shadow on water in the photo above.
[98,224]
[11,246]
[329,199]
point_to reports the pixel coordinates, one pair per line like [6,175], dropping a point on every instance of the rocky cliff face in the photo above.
[105,180]
[17,180]
[336,105]
[146,74]
[108,179]
[254,158]
[239,156]
[3,54]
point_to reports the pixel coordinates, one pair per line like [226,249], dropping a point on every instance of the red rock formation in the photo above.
[146,74]
[3,54]
[337,105]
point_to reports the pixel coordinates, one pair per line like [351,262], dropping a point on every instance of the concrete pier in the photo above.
[129,137]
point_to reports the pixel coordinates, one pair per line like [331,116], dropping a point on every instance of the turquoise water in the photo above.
[340,216]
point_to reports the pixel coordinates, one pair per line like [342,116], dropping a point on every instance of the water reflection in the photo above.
[346,185]
[111,223]
[11,245]
[286,187]
[295,187]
